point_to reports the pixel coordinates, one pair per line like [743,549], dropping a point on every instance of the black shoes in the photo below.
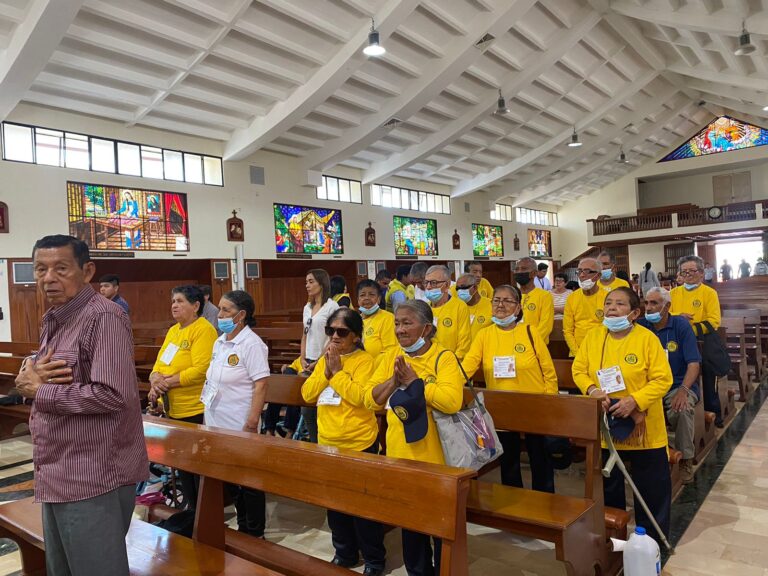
[344,563]
[369,571]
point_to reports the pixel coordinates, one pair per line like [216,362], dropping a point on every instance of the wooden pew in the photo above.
[18,348]
[740,368]
[558,347]
[752,337]
[574,525]
[388,490]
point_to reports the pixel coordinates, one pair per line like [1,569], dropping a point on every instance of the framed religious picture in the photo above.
[370,236]
[235,231]
[456,240]
[3,217]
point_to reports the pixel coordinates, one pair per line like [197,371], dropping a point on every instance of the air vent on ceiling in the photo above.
[485,42]
[392,123]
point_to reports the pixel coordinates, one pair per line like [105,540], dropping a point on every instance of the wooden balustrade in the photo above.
[638,223]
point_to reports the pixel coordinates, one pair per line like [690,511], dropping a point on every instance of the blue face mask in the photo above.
[433,294]
[606,274]
[226,325]
[464,295]
[616,324]
[653,317]
[415,346]
[503,322]
[690,286]
[368,311]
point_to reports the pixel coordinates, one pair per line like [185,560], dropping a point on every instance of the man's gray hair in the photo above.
[439,268]
[691,258]
[590,259]
[528,259]
[469,277]
[605,253]
[663,292]
[419,270]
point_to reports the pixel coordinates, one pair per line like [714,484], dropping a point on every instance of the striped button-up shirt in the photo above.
[88,435]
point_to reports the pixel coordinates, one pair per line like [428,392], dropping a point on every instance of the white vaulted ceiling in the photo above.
[289,76]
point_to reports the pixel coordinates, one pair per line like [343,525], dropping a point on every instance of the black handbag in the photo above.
[714,353]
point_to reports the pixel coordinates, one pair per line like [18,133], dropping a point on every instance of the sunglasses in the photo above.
[342,332]
[308,326]
[463,287]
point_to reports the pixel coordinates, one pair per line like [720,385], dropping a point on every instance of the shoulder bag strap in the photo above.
[535,353]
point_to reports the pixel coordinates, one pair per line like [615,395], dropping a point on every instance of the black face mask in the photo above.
[522,278]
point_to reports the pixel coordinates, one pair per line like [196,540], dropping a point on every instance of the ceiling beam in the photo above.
[605,139]
[537,65]
[705,73]
[323,83]
[460,54]
[722,21]
[533,195]
[482,180]
[31,46]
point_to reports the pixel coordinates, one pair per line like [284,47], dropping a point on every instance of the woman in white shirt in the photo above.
[233,395]
[560,294]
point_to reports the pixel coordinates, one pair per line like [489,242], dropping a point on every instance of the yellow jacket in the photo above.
[645,370]
[452,323]
[379,334]
[195,346]
[350,424]
[443,390]
[394,286]
[617,283]
[702,303]
[582,313]
[480,316]
[343,295]
[539,311]
[533,375]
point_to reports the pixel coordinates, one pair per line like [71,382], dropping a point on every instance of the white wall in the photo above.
[697,188]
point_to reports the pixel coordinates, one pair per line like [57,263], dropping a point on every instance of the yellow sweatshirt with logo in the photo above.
[195,346]
[379,334]
[582,313]
[452,323]
[615,283]
[645,371]
[539,311]
[536,376]
[702,303]
[443,390]
[350,424]
[480,316]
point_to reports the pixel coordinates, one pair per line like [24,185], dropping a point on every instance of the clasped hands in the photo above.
[35,372]
[160,384]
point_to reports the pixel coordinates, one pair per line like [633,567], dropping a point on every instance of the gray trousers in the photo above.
[682,423]
[88,537]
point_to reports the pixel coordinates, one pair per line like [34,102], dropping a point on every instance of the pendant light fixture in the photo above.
[745,43]
[374,48]
[622,157]
[501,105]
[574,143]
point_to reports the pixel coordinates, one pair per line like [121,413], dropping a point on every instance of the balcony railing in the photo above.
[631,224]
[680,217]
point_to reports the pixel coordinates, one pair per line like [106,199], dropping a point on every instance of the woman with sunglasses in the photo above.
[514,357]
[378,324]
[625,367]
[428,376]
[338,386]
[317,310]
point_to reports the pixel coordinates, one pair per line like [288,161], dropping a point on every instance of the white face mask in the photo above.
[586,284]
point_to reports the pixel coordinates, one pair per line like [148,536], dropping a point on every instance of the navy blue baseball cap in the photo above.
[410,406]
[620,428]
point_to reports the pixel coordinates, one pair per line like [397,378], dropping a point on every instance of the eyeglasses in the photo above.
[587,271]
[464,287]
[504,301]
[342,332]
[434,283]
[688,273]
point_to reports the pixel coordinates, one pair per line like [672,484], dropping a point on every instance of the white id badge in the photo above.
[209,393]
[435,320]
[504,367]
[611,380]
[169,353]
[471,318]
[329,397]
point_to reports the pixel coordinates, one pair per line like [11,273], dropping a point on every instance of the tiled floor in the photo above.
[728,534]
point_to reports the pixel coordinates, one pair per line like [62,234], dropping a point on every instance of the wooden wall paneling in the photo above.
[27,306]
[282,282]
[672,252]
[254,287]
[220,286]
[706,252]
[497,272]
[150,302]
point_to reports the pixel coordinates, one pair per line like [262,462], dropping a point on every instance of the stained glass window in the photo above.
[723,134]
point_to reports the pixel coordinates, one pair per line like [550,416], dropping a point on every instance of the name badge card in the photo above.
[504,367]
[169,353]
[209,393]
[611,380]
[329,397]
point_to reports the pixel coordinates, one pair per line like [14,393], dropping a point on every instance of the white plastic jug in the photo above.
[641,555]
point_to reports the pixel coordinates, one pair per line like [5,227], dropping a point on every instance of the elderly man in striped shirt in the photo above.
[86,426]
